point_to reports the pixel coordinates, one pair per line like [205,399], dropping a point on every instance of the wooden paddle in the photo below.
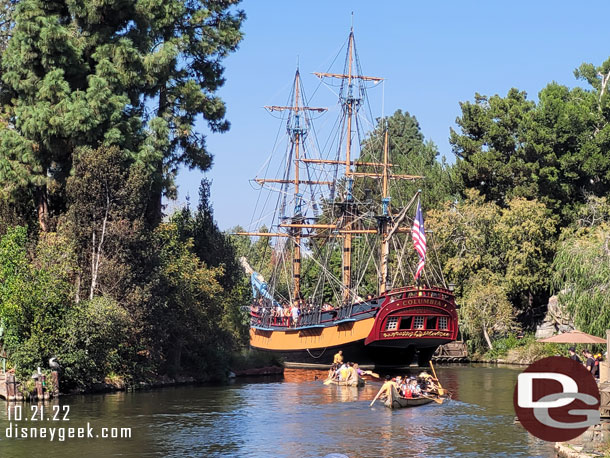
[381,390]
[441,391]
[374,374]
[435,399]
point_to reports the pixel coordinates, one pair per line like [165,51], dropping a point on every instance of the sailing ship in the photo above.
[338,276]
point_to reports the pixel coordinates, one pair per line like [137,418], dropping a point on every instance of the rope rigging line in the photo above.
[316,357]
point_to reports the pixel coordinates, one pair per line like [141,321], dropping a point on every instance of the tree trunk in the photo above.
[97,251]
[487,339]
[42,206]
[77,289]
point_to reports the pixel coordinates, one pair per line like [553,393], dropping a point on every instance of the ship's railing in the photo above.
[263,318]
[345,311]
[313,316]
[310,317]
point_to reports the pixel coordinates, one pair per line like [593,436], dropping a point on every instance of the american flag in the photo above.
[419,240]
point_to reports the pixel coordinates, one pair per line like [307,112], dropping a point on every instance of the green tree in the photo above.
[553,151]
[581,276]
[82,74]
[189,320]
[569,162]
[107,200]
[465,238]
[218,250]
[63,75]
[512,246]
[185,42]
[7,10]
[33,299]
[485,309]
[210,244]
[526,230]
[93,344]
[491,147]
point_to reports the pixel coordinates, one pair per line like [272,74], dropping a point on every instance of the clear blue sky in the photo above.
[433,55]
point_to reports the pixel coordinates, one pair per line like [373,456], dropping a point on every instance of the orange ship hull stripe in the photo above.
[311,338]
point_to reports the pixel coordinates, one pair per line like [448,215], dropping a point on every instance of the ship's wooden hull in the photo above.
[392,329]
[352,351]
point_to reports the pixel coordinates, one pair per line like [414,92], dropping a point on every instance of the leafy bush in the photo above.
[93,339]
[525,350]
[533,351]
[502,346]
[33,301]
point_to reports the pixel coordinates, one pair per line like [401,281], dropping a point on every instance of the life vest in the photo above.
[408,393]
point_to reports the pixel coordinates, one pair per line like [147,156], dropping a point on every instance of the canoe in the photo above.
[396,401]
[400,402]
[341,383]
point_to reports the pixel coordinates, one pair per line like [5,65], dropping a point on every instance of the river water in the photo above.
[293,416]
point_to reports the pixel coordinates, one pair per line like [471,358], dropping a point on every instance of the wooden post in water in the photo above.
[10,387]
[55,383]
[39,389]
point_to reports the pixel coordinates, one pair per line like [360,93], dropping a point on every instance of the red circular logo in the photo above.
[556,399]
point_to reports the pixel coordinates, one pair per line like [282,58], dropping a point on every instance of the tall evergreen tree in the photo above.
[186,41]
[82,73]
[492,147]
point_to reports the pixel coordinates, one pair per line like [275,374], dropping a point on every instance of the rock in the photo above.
[545,330]
[556,321]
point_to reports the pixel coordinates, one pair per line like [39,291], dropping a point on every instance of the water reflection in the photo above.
[296,416]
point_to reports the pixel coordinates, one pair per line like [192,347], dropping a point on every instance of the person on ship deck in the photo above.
[286,315]
[295,311]
[338,358]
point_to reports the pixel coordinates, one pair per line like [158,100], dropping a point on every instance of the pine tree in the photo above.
[83,74]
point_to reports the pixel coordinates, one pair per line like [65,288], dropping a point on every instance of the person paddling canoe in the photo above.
[386,389]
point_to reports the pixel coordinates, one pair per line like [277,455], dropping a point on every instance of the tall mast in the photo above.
[351,103]
[298,215]
[385,217]
[297,130]
[347,240]
[346,224]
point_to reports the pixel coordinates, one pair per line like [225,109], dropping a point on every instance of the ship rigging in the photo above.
[324,213]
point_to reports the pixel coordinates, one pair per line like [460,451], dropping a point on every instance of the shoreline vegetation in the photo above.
[98,112]
[244,363]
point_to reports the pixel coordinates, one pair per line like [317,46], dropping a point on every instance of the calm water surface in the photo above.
[294,416]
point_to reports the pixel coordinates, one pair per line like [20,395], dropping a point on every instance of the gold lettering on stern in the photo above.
[422,302]
[426,333]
